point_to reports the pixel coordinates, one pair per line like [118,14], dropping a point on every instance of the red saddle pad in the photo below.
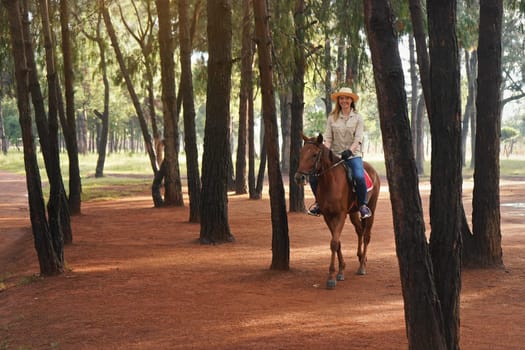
[369,183]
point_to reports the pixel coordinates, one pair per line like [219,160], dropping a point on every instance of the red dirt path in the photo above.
[137,279]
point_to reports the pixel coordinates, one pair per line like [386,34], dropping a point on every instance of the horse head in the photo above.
[309,158]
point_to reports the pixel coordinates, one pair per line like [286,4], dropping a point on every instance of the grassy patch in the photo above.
[130,174]
[3,278]
[512,167]
[25,280]
[508,167]
[115,186]
[124,174]
[4,344]
[13,162]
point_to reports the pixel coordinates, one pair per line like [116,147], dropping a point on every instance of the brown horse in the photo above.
[336,199]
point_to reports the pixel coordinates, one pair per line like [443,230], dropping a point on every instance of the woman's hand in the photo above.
[346,154]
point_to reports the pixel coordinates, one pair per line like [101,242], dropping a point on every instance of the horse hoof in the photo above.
[330,284]
[361,272]
[340,277]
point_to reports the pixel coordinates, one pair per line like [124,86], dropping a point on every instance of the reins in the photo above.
[317,160]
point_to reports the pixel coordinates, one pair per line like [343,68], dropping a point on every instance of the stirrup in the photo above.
[314,210]
[365,212]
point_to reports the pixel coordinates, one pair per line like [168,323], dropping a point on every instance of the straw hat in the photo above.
[344,91]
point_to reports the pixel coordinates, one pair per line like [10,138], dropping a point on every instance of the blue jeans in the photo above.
[358,174]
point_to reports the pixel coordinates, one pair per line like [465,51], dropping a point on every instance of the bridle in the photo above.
[316,170]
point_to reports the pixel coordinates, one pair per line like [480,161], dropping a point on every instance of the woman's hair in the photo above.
[337,109]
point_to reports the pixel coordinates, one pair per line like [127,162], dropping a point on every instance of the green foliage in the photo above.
[11,124]
[508,133]
[314,123]
[467,24]
[6,58]
[335,22]
[284,42]
[516,5]
[403,22]
[513,64]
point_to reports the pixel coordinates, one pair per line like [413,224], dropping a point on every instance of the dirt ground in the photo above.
[137,279]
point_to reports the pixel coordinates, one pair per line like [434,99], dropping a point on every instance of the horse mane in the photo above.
[332,156]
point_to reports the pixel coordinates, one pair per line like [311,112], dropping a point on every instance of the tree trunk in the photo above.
[424,69]
[70,132]
[296,192]
[446,207]
[215,161]
[340,69]
[420,136]
[104,116]
[414,111]
[418,24]
[186,90]
[328,79]
[252,190]
[190,32]
[244,96]
[471,68]
[286,125]
[57,206]
[49,262]
[172,181]
[59,220]
[103,140]
[158,201]
[3,139]
[423,318]
[231,172]
[81,120]
[65,212]
[280,239]
[486,220]
[262,167]
[143,36]
[129,84]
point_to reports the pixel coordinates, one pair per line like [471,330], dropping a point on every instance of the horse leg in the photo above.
[361,252]
[334,247]
[366,230]
[362,259]
[336,226]
[360,230]
[341,272]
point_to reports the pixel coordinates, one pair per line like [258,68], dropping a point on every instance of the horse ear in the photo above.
[304,137]
[320,138]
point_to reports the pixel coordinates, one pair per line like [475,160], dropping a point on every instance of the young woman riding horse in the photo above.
[337,199]
[344,133]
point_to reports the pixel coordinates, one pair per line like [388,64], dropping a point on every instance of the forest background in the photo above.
[315,48]
[136,34]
